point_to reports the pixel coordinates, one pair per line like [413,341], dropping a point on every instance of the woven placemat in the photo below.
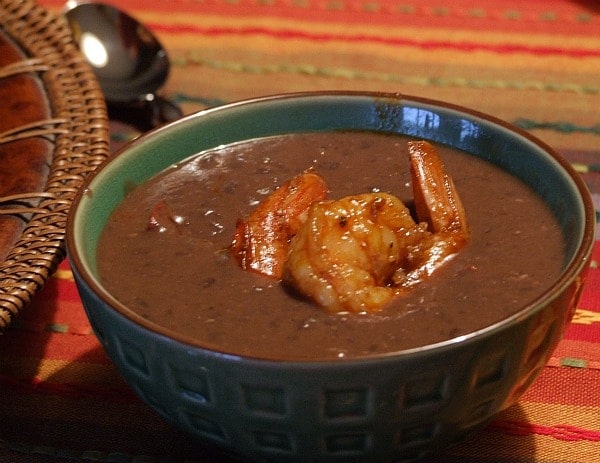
[78,131]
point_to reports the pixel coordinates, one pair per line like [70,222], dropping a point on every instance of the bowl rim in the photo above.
[575,267]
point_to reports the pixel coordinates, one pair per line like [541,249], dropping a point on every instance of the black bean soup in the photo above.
[179,273]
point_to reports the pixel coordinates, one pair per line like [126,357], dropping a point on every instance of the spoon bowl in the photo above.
[130,63]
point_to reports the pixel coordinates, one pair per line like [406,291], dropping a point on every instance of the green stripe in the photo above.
[573,362]
[557,126]
[353,74]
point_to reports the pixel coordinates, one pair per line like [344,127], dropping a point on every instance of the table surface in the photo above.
[535,64]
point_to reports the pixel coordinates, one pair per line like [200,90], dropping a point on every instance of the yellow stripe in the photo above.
[586,317]
[550,449]
[547,414]
[392,30]
[62,274]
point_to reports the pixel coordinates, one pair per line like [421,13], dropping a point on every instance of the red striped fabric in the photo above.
[534,64]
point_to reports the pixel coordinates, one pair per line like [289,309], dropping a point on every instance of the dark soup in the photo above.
[164,252]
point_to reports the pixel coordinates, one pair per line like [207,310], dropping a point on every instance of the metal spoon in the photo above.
[128,61]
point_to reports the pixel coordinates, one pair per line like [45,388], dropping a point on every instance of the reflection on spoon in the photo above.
[127,59]
[93,49]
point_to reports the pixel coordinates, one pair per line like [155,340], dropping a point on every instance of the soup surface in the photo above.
[185,279]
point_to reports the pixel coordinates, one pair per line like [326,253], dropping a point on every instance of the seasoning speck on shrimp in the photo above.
[357,253]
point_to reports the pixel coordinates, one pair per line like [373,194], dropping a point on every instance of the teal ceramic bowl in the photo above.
[394,407]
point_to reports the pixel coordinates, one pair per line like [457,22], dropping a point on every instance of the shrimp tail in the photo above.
[436,200]
[437,204]
[261,241]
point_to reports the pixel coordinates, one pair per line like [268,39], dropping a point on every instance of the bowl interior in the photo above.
[536,164]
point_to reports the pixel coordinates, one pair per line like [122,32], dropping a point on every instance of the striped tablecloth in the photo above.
[535,64]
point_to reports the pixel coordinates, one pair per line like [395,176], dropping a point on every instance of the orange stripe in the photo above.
[62,372]
[52,346]
[560,17]
[561,431]
[550,387]
[64,378]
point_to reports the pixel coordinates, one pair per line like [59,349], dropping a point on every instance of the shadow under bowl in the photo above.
[387,407]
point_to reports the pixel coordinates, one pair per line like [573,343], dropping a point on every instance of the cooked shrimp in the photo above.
[347,255]
[357,253]
[261,241]
[438,204]
[436,199]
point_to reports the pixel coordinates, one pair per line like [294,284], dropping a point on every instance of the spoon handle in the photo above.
[144,114]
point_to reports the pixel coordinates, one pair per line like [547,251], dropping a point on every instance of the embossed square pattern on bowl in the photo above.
[388,407]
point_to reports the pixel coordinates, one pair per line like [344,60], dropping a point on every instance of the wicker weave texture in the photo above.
[78,130]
